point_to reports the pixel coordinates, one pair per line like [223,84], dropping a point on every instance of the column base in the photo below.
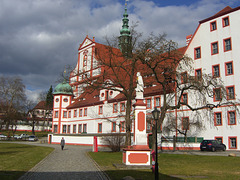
[137,155]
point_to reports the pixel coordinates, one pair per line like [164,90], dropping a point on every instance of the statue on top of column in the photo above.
[140,86]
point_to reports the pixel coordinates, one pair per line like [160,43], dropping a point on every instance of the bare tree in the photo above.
[12,98]
[193,125]
[118,74]
[172,71]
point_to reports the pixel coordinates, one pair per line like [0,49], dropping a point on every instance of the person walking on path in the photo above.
[62,143]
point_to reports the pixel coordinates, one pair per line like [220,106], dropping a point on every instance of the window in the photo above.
[229,68]
[80,128]
[225,21]
[99,127]
[214,47]
[65,100]
[185,98]
[122,126]
[68,128]
[64,114]
[197,53]
[56,114]
[217,118]
[80,112]
[227,44]
[84,128]
[74,128]
[100,110]
[231,118]
[85,111]
[149,104]
[216,71]
[213,26]
[64,129]
[232,142]
[149,126]
[115,107]
[219,139]
[122,107]
[217,94]
[198,74]
[184,77]
[106,95]
[185,123]
[113,126]
[230,93]
[75,113]
[55,128]
[157,102]
[69,114]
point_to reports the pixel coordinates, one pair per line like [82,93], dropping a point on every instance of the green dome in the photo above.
[63,88]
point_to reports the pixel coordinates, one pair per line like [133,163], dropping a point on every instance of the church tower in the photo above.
[125,38]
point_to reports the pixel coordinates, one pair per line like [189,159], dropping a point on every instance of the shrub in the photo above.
[114,141]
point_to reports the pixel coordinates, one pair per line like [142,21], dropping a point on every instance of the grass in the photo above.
[16,159]
[173,166]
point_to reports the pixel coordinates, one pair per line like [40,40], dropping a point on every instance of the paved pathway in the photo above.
[70,164]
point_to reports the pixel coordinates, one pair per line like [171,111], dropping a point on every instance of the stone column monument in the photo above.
[139,152]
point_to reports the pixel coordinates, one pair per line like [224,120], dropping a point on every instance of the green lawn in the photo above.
[173,166]
[16,159]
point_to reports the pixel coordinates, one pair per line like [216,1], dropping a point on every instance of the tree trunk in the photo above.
[33,127]
[128,122]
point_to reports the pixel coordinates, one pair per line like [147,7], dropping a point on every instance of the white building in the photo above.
[214,47]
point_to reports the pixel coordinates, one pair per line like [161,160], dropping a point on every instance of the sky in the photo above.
[39,38]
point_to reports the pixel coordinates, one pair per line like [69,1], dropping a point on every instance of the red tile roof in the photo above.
[108,55]
[41,105]
[224,11]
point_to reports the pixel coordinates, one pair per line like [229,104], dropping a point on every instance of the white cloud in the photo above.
[39,37]
[32,95]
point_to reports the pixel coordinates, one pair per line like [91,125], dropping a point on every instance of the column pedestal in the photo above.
[139,153]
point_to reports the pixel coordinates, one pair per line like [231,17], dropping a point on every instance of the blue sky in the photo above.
[38,38]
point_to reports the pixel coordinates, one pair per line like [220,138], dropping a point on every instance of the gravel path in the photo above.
[70,164]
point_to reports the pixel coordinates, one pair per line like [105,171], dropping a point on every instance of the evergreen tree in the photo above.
[49,98]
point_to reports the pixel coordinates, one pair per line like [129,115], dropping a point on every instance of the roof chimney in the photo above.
[188,39]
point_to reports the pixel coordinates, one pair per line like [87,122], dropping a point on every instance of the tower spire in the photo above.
[125,34]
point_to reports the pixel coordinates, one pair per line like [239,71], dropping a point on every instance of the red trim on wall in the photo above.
[98,128]
[227,88]
[224,44]
[211,29]
[218,137]
[60,114]
[155,105]
[226,68]
[138,158]
[223,24]
[228,115]
[229,142]
[195,52]
[215,119]
[148,107]
[141,121]
[216,42]
[214,71]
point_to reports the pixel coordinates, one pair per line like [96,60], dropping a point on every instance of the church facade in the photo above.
[214,48]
